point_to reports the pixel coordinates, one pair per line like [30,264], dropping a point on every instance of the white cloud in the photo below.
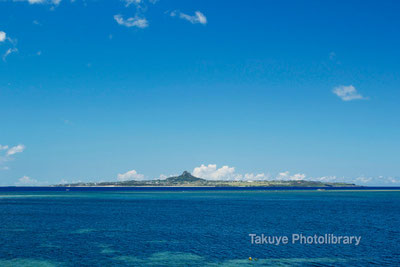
[326,179]
[197,18]
[363,179]
[131,22]
[130,2]
[211,172]
[347,93]
[33,2]
[163,177]
[393,180]
[286,176]
[283,175]
[8,52]
[139,4]
[5,156]
[36,1]
[3,147]
[3,36]
[15,149]
[130,175]
[255,177]
[25,180]
[298,177]
[379,181]
[360,180]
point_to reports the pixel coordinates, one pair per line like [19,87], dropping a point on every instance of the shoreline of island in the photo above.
[186,181]
[196,189]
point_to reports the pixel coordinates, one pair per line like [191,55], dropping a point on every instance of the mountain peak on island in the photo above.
[186,174]
[184,177]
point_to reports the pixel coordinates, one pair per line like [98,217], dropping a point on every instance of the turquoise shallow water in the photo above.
[201,228]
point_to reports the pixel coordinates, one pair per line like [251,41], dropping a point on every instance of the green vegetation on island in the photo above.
[188,180]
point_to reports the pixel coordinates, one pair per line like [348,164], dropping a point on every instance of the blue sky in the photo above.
[107,90]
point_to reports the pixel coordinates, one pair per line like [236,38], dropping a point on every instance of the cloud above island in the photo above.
[227,173]
[285,176]
[211,172]
[26,181]
[130,175]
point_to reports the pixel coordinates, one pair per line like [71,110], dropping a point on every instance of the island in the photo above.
[186,179]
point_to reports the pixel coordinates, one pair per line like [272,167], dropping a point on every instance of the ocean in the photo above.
[197,227]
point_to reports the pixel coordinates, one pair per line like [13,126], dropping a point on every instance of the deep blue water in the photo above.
[195,228]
